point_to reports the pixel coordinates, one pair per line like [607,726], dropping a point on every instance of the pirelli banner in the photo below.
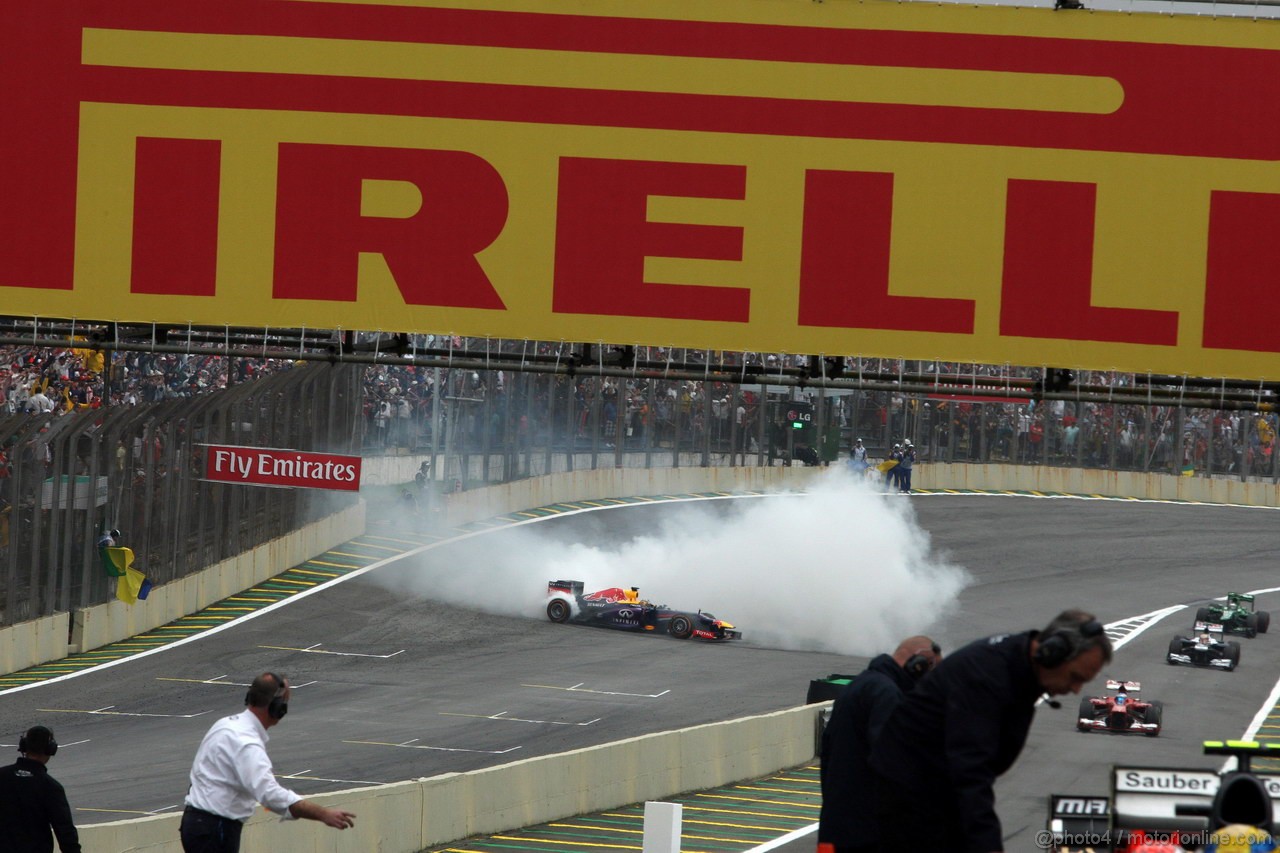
[992,184]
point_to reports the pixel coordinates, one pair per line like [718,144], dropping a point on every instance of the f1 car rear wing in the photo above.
[1176,803]
[1127,686]
[1164,798]
[1211,627]
[1077,822]
[566,587]
[1239,596]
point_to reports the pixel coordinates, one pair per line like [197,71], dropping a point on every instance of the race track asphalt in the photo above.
[393,687]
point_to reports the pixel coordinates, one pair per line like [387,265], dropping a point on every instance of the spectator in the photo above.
[39,403]
[32,802]
[404,412]
[848,816]
[231,773]
[966,724]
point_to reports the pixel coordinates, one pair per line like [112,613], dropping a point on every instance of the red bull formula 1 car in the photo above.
[624,609]
[1121,713]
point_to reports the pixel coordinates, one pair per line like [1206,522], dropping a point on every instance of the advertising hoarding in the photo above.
[907,180]
[266,466]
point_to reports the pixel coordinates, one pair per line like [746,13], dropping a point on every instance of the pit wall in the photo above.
[54,637]
[411,816]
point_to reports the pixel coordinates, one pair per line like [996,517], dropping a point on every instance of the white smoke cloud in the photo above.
[840,569]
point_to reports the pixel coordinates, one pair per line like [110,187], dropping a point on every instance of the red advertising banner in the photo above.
[265,466]
[905,180]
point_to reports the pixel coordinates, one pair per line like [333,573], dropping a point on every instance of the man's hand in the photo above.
[338,819]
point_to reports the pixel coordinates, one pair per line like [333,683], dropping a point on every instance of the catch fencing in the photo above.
[65,478]
[489,426]
[139,469]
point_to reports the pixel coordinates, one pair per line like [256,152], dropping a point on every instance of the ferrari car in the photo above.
[1120,713]
[1236,615]
[624,609]
[1205,647]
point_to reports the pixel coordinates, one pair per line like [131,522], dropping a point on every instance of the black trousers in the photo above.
[205,832]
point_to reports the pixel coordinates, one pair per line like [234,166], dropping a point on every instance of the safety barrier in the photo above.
[410,816]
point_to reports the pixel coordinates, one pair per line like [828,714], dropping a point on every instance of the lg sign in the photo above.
[988,184]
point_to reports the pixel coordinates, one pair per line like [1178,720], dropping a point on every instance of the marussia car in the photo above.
[1121,713]
[1205,647]
[624,609]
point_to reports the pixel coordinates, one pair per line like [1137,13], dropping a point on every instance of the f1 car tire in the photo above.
[1086,712]
[1264,621]
[1233,655]
[1204,614]
[558,610]
[1175,648]
[1153,715]
[1251,625]
[680,627]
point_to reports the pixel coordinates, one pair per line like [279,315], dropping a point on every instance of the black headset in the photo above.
[39,740]
[1063,644]
[277,707]
[917,665]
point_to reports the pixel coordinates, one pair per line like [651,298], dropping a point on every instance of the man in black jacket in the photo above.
[938,757]
[32,802]
[848,816]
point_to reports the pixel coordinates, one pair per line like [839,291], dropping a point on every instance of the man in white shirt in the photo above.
[39,403]
[231,774]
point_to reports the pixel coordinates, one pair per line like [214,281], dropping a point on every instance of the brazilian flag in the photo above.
[132,585]
[115,560]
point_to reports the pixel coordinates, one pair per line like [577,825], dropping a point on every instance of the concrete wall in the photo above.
[54,637]
[1089,481]
[29,643]
[410,816]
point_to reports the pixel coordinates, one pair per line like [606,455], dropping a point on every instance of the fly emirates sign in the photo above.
[257,466]
[987,184]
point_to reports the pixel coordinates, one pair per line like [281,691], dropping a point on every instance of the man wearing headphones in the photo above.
[848,816]
[32,802]
[232,773]
[938,757]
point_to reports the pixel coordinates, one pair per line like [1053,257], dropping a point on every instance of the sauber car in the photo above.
[1184,806]
[1236,615]
[1120,713]
[1205,647]
[624,609]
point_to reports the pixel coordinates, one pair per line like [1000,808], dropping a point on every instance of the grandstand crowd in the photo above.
[487,409]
